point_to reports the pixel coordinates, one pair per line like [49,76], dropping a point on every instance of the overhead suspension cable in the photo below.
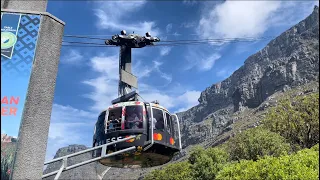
[84,37]
[183,40]
[177,43]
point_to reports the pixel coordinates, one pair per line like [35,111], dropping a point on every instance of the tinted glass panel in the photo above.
[158,118]
[168,123]
[114,119]
[100,123]
[134,118]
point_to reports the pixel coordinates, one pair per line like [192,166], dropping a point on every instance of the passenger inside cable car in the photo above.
[114,123]
[132,120]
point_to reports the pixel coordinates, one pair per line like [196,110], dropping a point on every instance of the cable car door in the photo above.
[176,128]
[169,130]
[157,125]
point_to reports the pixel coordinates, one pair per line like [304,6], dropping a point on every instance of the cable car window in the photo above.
[114,119]
[134,117]
[174,126]
[99,125]
[149,118]
[158,116]
[170,124]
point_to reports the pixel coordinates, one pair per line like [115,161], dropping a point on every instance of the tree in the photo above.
[176,171]
[301,165]
[207,163]
[254,143]
[297,120]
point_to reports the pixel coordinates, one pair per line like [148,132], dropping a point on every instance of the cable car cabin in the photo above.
[157,134]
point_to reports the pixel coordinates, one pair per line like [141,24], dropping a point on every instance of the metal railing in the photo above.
[64,159]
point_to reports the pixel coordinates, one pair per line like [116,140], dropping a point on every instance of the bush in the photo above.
[7,154]
[254,143]
[176,171]
[302,165]
[207,163]
[202,164]
[297,120]
[315,147]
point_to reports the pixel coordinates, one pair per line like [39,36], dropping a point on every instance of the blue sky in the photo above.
[87,77]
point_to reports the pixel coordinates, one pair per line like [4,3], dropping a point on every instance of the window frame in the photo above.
[169,121]
[164,119]
[124,108]
[107,118]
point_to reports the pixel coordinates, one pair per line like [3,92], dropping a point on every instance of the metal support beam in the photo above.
[125,65]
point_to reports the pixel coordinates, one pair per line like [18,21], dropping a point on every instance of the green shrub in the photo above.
[202,164]
[254,143]
[315,147]
[7,155]
[176,171]
[297,120]
[207,163]
[302,165]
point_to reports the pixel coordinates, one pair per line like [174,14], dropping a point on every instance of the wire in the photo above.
[176,43]
[141,97]
[222,39]
[194,43]
[76,42]
[105,46]
[84,37]
[183,40]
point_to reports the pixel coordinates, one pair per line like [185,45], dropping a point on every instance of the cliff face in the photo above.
[290,60]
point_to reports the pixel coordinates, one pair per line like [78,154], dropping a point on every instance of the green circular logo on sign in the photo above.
[8,40]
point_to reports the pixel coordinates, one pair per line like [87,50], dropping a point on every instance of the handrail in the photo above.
[65,167]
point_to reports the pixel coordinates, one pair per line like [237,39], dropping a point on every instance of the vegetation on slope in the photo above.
[278,149]
[297,120]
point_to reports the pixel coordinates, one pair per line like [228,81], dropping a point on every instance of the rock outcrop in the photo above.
[288,61]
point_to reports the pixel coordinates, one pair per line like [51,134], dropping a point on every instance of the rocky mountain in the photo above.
[290,61]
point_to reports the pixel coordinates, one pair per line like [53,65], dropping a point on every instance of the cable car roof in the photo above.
[132,103]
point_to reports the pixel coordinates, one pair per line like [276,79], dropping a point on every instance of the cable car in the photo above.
[156,129]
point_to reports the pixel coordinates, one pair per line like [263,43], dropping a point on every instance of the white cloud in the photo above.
[238,19]
[68,126]
[185,101]
[67,113]
[234,19]
[188,24]
[109,18]
[189,2]
[226,72]
[108,65]
[165,50]
[207,64]
[169,28]
[73,57]
[201,59]
[105,85]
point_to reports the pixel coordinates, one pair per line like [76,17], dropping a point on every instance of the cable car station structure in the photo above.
[130,132]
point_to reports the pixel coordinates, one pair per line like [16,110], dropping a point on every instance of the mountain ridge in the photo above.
[288,61]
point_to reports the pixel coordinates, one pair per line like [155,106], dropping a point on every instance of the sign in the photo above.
[128,78]
[19,34]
